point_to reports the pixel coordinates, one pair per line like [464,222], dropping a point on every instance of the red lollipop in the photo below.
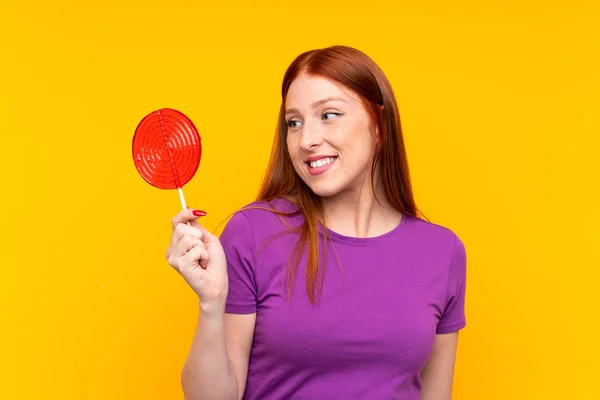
[167,150]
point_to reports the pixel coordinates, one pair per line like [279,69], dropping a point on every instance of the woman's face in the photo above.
[330,137]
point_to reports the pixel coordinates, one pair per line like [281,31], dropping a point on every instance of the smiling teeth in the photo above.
[321,162]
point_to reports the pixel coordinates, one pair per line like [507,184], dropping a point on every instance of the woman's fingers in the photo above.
[187,243]
[185,216]
[181,230]
[196,256]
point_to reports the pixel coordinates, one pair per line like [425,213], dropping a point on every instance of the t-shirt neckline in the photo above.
[367,240]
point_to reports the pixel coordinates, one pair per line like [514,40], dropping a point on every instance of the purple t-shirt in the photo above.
[374,328]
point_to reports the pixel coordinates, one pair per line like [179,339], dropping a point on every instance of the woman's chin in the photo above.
[324,189]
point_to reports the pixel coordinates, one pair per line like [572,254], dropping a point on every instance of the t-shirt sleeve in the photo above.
[453,317]
[238,243]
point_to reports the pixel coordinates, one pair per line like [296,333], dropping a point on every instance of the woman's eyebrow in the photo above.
[318,103]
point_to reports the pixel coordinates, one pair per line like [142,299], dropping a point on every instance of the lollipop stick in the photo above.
[182,198]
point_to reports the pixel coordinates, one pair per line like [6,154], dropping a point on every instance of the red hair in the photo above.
[358,72]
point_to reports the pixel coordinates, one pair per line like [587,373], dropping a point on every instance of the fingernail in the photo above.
[199,213]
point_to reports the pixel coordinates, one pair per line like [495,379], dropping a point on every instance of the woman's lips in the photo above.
[320,166]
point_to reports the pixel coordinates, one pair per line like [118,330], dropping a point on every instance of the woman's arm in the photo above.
[239,329]
[438,374]
[217,365]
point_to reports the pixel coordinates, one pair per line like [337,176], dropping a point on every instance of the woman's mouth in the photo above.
[317,167]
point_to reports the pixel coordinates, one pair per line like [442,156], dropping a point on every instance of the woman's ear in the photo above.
[377,137]
[377,130]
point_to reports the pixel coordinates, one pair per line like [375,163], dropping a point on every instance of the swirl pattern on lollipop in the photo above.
[166,149]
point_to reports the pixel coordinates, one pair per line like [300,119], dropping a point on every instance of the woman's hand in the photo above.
[198,256]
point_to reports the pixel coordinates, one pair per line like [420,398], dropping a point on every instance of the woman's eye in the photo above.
[292,124]
[331,114]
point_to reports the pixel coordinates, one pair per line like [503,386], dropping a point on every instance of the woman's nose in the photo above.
[311,137]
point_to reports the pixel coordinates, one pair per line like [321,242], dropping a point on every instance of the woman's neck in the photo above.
[356,214]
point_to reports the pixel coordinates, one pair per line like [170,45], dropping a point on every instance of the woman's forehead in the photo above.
[307,89]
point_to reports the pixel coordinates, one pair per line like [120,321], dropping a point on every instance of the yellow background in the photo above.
[499,102]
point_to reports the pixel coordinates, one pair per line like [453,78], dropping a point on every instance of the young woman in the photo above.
[329,286]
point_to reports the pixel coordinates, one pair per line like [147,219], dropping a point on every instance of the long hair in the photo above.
[356,71]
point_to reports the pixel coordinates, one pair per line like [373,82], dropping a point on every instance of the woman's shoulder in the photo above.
[431,232]
[278,205]
[267,215]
